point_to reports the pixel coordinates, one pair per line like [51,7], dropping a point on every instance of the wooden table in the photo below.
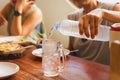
[76,69]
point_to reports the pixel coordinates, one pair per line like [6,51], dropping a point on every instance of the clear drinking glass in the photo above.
[52,58]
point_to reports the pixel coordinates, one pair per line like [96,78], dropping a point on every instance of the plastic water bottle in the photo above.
[70,28]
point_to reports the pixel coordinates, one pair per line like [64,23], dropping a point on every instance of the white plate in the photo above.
[38,52]
[10,38]
[7,69]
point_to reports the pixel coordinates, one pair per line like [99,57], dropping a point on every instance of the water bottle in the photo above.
[70,28]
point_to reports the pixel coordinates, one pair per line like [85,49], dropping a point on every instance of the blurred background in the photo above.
[53,10]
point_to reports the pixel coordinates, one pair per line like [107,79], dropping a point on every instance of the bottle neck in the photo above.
[57,25]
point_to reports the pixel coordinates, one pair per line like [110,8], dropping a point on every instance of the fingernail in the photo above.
[92,37]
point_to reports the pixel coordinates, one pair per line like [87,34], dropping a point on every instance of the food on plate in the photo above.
[9,46]
[11,50]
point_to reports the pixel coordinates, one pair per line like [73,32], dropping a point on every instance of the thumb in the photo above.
[31,1]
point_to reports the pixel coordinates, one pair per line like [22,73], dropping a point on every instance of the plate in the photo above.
[38,52]
[7,69]
[10,38]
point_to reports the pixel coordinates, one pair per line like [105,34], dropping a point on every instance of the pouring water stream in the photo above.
[51,33]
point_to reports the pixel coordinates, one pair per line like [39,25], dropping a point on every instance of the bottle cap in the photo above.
[115,27]
[57,25]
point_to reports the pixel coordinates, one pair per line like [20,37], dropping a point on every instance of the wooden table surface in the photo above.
[75,69]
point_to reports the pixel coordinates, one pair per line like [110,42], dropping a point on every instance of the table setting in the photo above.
[50,62]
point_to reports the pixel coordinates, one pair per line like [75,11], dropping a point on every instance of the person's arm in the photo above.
[3,15]
[29,24]
[112,15]
[75,15]
[75,3]
[19,28]
[93,19]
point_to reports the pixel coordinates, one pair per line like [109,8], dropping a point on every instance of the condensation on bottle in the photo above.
[70,28]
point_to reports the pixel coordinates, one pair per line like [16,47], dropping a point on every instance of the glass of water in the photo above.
[52,58]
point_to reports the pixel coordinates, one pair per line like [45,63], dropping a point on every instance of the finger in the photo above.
[81,26]
[3,21]
[85,25]
[97,20]
[0,20]
[30,1]
[92,27]
[39,41]
[73,17]
[1,24]
[69,17]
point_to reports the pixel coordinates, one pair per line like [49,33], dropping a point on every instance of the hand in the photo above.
[39,41]
[20,4]
[90,21]
[3,21]
[75,15]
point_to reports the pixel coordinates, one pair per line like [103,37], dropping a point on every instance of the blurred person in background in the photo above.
[92,13]
[23,18]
